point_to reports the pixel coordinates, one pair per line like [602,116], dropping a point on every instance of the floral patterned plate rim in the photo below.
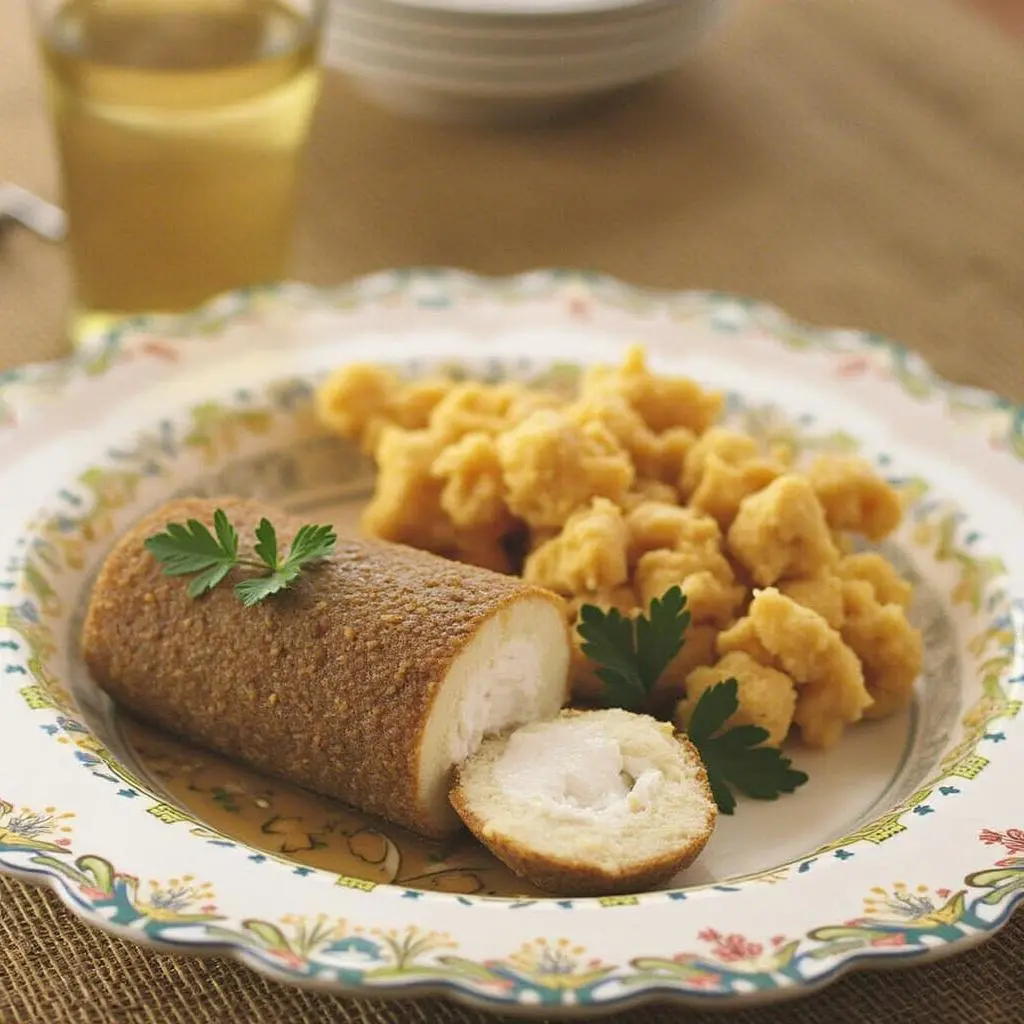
[934,862]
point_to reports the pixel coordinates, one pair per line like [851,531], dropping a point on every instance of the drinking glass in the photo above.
[180,128]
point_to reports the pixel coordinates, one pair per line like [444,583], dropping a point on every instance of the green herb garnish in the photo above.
[190,548]
[633,654]
[736,756]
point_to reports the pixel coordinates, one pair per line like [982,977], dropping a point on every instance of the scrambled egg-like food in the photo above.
[614,495]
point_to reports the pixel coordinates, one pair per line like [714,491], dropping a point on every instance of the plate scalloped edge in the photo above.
[999,419]
[543,978]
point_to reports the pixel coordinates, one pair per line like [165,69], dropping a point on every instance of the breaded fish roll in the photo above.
[380,669]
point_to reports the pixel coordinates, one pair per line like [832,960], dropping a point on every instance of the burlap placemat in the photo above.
[54,970]
[855,161]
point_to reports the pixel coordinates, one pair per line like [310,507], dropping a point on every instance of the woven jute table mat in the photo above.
[858,162]
[54,970]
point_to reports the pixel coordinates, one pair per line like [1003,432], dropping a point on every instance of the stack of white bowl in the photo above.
[509,60]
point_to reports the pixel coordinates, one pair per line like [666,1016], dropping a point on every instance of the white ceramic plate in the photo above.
[906,843]
[514,9]
[431,27]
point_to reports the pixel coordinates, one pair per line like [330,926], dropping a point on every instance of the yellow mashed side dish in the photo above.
[631,486]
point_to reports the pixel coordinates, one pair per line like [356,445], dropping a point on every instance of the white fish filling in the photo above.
[575,772]
[506,694]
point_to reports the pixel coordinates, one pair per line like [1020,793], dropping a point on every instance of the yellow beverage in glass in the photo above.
[180,127]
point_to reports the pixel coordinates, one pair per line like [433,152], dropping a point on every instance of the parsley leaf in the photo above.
[609,640]
[188,549]
[660,637]
[191,548]
[259,587]
[266,543]
[311,543]
[633,655]
[208,579]
[226,533]
[716,705]
[736,757]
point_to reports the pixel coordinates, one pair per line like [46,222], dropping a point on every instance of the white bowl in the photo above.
[378,25]
[458,78]
[504,8]
[506,22]
[525,73]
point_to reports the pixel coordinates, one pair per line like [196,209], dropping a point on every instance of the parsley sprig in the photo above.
[633,654]
[190,549]
[736,757]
